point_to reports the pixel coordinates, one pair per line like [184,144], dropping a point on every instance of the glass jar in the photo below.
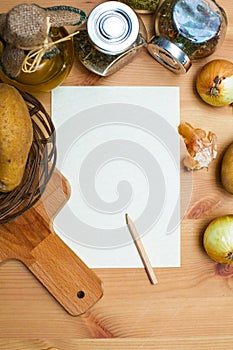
[142,6]
[111,37]
[51,72]
[186,30]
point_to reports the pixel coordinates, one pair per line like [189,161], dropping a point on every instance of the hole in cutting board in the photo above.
[81,294]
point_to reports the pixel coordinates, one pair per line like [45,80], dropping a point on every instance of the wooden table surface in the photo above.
[191,307]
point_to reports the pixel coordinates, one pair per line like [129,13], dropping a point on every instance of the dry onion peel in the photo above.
[201,147]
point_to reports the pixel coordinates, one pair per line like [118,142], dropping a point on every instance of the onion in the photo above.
[214,83]
[218,239]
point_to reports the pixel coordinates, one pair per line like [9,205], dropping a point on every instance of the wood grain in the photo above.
[183,311]
[182,343]
[31,239]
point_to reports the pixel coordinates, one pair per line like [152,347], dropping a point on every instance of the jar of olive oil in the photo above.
[112,36]
[142,6]
[186,30]
[51,72]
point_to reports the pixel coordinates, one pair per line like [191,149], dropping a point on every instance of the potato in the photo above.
[227,169]
[16,135]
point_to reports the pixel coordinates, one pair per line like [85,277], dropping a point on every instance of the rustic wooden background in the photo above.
[191,307]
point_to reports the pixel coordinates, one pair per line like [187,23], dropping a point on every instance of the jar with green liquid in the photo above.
[51,72]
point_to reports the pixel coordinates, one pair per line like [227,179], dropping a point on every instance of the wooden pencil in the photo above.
[141,249]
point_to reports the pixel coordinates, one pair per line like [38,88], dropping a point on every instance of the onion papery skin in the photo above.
[216,94]
[218,239]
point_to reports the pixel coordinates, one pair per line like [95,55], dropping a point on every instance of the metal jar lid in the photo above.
[169,55]
[112,27]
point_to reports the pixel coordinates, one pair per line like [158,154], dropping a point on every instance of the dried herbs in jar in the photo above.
[142,6]
[112,36]
[186,30]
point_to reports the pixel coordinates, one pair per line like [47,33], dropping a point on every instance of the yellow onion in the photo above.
[214,83]
[218,239]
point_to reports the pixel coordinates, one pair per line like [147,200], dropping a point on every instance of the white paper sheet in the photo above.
[119,149]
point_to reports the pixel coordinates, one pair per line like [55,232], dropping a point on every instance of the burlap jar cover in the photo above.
[26,28]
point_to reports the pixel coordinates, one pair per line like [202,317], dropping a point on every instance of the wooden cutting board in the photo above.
[31,239]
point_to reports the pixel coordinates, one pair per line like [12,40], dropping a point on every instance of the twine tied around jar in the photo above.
[34,57]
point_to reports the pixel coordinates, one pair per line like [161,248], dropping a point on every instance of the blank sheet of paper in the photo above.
[119,149]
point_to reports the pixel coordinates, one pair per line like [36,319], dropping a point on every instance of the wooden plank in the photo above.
[182,343]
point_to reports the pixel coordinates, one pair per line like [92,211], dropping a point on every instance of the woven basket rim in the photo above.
[40,164]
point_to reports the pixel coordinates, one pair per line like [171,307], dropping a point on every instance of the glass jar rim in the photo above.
[169,55]
[112,27]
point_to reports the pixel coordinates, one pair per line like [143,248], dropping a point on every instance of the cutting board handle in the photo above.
[66,277]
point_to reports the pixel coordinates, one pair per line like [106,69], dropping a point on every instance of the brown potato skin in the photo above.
[227,169]
[16,135]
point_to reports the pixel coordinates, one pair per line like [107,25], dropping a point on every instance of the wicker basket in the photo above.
[40,164]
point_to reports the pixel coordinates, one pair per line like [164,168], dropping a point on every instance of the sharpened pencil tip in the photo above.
[126,218]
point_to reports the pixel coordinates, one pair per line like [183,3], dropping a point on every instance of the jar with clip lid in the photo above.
[112,36]
[186,30]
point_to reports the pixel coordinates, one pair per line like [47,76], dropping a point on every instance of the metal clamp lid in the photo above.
[112,27]
[169,55]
